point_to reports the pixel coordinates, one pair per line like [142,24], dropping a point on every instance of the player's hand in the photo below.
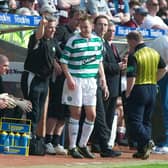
[71,83]
[106,93]
[44,21]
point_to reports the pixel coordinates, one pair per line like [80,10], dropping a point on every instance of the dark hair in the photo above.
[134,2]
[74,10]
[162,12]
[101,17]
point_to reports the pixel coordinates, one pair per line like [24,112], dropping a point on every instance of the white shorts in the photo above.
[83,94]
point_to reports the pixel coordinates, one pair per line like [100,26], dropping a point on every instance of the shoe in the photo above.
[110,153]
[86,153]
[60,150]
[138,155]
[148,149]
[74,153]
[160,150]
[50,149]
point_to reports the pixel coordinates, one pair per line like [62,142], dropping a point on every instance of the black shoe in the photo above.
[74,153]
[148,149]
[138,155]
[86,153]
[110,153]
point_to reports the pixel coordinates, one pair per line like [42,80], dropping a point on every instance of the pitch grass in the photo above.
[104,166]
[152,164]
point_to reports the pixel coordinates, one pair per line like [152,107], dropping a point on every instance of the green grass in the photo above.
[152,166]
[106,165]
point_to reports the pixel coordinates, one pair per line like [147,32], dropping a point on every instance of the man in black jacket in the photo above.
[38,68]
[101,131]
[113,65]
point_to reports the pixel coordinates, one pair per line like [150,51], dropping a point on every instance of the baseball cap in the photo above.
[141,11]
[47,8]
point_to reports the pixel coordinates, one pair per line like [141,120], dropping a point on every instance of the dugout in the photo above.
[17,55]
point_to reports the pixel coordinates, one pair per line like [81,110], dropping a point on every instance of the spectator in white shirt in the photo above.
[152,20]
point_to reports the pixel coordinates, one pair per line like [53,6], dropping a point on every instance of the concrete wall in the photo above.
[16,56]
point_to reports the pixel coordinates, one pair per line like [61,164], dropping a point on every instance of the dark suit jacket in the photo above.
[112,70]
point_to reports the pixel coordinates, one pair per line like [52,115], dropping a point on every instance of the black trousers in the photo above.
[110,106]
[55,108]
[36,91]
[101,132]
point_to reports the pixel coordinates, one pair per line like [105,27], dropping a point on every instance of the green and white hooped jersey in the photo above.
[83,56]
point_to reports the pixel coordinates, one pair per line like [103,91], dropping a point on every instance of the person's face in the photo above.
[153,6]
[4,67]
[163,4]
[110,33]
[101,27]
[86,28]
[74,21]
[50,29]
[139,18]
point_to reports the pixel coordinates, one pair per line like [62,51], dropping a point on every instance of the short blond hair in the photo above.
[135,35]
[86,17]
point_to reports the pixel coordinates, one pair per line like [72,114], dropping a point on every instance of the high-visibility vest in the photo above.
[19,38]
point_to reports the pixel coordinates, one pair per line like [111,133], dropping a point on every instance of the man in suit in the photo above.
[101,134]
[113,65]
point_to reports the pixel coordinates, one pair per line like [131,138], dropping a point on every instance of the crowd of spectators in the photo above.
[131,13]
[117,11]
[123,12]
